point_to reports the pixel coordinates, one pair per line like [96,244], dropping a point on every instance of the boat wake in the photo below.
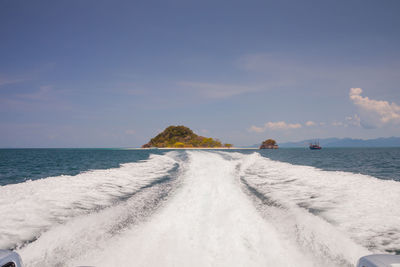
[201,208]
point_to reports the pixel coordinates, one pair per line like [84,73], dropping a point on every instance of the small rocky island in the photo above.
[183,137]
[269,144]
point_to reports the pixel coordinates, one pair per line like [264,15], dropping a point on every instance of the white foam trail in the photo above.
[302,216]
[361,207]
[31,208]
[209,222]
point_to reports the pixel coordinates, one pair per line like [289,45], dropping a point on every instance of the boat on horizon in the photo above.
[315,146]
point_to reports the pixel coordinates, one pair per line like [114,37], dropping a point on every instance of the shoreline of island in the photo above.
[192,148]
[181,137]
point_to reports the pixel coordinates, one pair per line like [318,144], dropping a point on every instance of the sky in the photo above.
[94,73]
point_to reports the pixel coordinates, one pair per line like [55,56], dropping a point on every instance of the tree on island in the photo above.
[179,144]
[269,144]
[182,137]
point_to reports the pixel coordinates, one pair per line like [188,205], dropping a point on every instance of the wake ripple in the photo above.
[199,208]
[34,207]
[360,207]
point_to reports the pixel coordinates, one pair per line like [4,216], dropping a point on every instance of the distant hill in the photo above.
[181,137]
[348,142]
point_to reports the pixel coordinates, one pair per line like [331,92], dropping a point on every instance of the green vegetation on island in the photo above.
[183,137]
[269,144]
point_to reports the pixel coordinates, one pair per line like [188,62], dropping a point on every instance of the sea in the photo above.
[237,207]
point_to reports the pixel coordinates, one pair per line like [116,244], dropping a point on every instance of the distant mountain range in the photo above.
[347,142]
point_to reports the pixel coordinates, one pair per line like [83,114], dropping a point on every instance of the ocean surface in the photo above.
[115,207]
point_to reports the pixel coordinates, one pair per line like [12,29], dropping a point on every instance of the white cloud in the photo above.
[353,120]
[281,125]
[374,113]
[256,129]
[348,121]
[310,123]
[216,90]
[275,126]
[337,123]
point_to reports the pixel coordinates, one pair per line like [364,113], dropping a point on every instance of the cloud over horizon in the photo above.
[374,113]
[275,126]
[310,123]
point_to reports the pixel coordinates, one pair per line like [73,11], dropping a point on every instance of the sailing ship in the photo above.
[315,146]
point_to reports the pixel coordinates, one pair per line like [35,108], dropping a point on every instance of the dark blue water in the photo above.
[382,163]
[19,165]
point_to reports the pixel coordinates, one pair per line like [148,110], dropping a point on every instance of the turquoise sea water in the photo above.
[285,207]
[19,165]
[383,163]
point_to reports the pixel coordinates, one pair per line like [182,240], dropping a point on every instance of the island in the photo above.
[183,137]
[269,144]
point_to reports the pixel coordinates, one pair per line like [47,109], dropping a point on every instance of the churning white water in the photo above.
[36,206]
[201,208]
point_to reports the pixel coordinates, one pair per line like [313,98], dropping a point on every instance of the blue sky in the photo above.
[96,73]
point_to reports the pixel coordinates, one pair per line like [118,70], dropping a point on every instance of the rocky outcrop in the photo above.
[269,144]
[182,137]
